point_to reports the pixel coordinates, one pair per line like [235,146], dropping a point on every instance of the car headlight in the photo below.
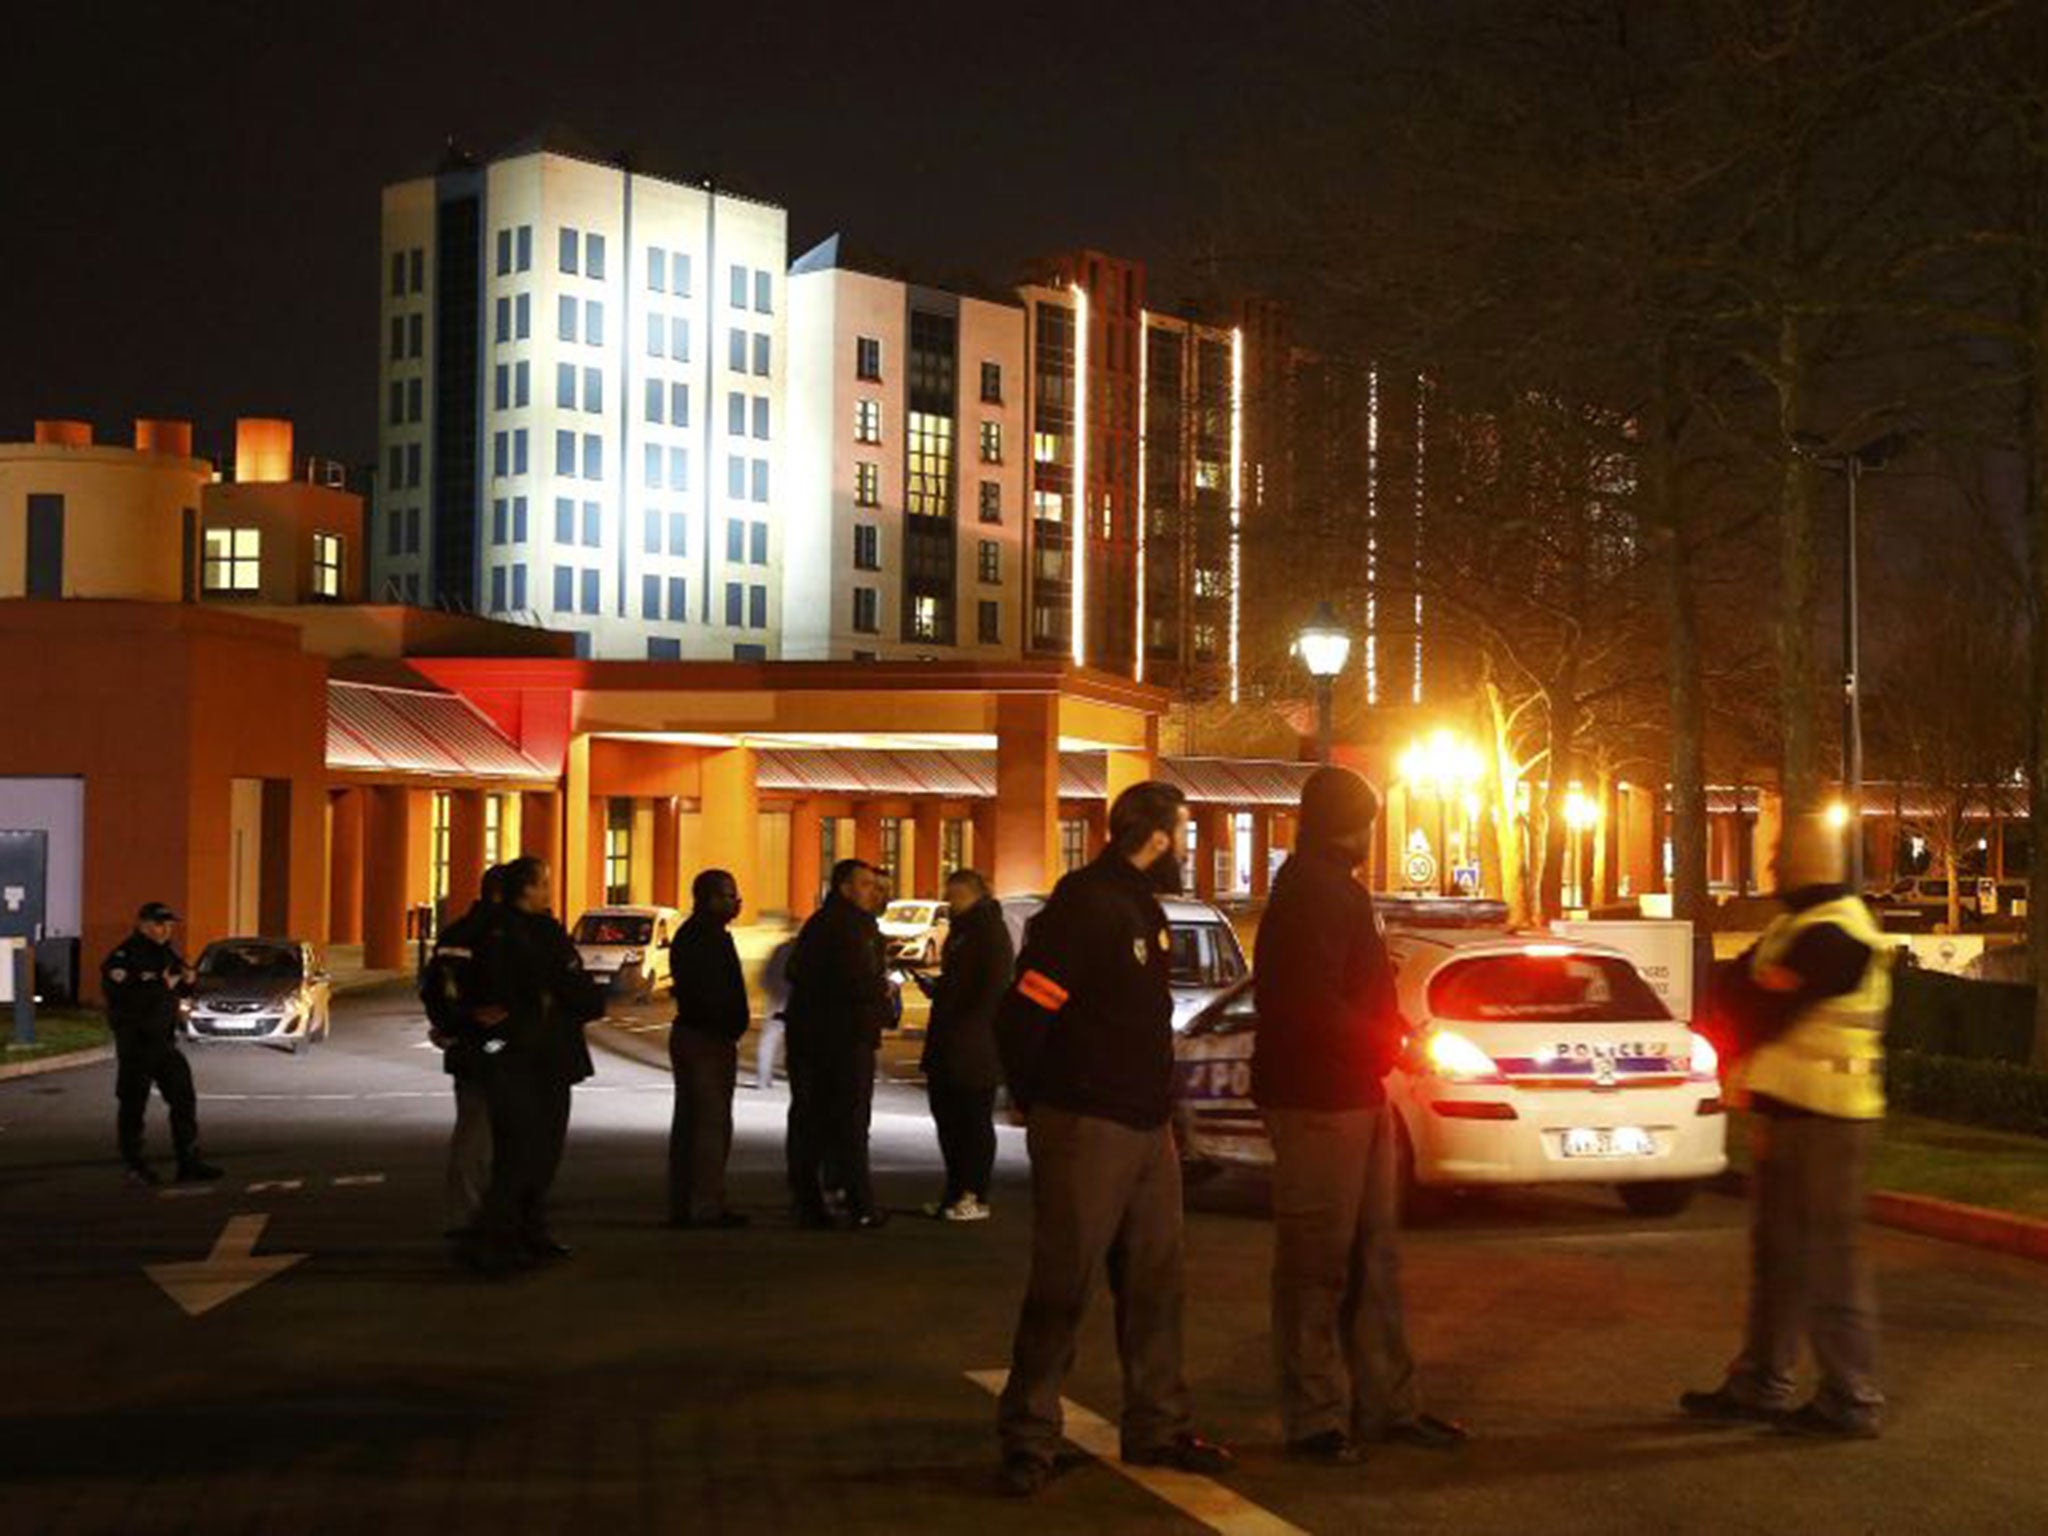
[630,957]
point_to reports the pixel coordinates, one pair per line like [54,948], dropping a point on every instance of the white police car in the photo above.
[1530,1060]
[1202,948]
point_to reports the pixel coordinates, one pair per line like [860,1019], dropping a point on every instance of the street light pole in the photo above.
[1852,699]
[1443,847]
[1326,717]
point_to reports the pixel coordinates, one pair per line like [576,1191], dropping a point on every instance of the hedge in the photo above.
[1997,1095]
[1944,1015]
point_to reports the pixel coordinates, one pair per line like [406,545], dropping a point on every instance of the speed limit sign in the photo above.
[1421,868]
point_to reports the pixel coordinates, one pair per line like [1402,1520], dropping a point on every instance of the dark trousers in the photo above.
[1809,1278]
[700,1131]
[144,1062]
[851,1113]
[1339,1339]
[469,1154]
[965,1121]
[805,1143]
[529,1123]
[1105,1201]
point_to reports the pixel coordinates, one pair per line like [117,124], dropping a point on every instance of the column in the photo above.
[540,836]
[387,845]
[731,829]
[1096,814]
[981,819]
[1262,851]
[867,832]
[926,877]
[668,882]
[345,869]
[574,888]
[1026,842]
[1210,830]
[640,867]
[465,851]
[806,878]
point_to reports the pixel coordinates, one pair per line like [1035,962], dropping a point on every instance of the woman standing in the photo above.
[961,1067]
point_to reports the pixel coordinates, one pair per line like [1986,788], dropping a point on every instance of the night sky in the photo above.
[192,201]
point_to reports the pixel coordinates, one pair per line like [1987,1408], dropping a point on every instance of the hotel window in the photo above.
[502,331]
[924,617]
[593,524]
[500,520]
[397,412]
[757,544]
[991,383]
[757,607]
[991,442]
[519,451]
[679,469]
[593,457]
[504,252]
[618,850]
[657,270]
[867,611]
[415,335]
[590,591]
[659,649]
[989,561]
[867,483]
[522,378]
[679,405]
[1045,447]
[522,308]
[416,269]
[412,530]
[657,335]
[440,834]
[1208,475]
[679,340]
[738,298]
[327,565]
[593,324]
[397,273]
[953,842]
[565,589]
[565,454]
[867,358]
[494,828]
[233,559]
[397,474]
[565,386]
[593,257]
[760,486]
[497,589]
[761,340]
[736,350]
[761,417]
[891,857]
[928,477]
[676,599]
[679,274]
[735,541]
[736,477]
[525,261]
[657,401]
[650,531]
[990,631]
[565,319]
[397,337]
[565,520]
[566,258]
[501,455]
[413,390]
[1205,642]
[867,547]
[867,421]
[593,389]
[650,597]
[1048,506]
[412,463]
[519,519]
[735,604]
[518,588]
[764,293]
[678,534]
[991,501]
[736,414]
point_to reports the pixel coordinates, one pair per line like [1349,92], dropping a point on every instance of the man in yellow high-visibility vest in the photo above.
[1811,997]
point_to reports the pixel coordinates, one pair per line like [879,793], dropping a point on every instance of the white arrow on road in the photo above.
[232,1268]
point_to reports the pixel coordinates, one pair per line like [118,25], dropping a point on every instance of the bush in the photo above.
[1998,1095]
[1943,1015]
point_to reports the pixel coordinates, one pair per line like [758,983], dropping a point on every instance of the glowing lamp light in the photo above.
[1442,760]
[1837,815]
[1457,1059]
[1706,1061]
[1323,644]
[1579,812]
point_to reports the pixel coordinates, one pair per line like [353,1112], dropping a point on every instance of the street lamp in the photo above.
[1447,765]
[1323,646]
[1850,464]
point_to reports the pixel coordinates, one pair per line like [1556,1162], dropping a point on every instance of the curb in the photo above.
[42,1064]
[1974,1226]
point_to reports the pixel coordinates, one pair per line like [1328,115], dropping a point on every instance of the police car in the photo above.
[1206,959]
[1530,1060]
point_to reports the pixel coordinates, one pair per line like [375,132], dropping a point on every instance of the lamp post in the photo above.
[1579,814]
[1446,765]
[1324,647]
[1850,465]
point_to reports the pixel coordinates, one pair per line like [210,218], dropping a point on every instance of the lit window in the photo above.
[867,484]
[991,501]
[1208,475]
[990,561]
[441,835]
[233,559]
[867,421]
[618,852]
[1045,447]
[991,442]
[1049,506]
[327,564]
[928,475]
[924,618]
[494,825]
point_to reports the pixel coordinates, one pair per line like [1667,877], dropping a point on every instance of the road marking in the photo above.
[185,1192]
[344,1180]
[1200,1498]
[265,1186]
[230,1269]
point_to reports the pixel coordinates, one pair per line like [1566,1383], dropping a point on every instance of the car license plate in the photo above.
[1607,1141]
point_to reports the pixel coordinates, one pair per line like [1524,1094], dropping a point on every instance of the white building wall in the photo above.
[992,333]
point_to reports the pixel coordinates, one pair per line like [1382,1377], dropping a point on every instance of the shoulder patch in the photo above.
[1165,940]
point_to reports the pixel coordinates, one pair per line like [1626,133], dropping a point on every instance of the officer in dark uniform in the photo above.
[703,1052]
[446,987]
[533,995]
[142,981]
[1087,1043]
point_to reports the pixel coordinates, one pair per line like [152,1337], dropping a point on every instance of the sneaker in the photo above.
[936,1209]
[141,1174]
[868,1221]
[1722,1406]
[966,1208]
[192,1171]
[1425,1430]
[1023,1474]
[1818,1423]
[1185,1453]
[1331,1448]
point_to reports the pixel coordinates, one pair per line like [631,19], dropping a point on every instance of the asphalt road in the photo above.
[777,1380]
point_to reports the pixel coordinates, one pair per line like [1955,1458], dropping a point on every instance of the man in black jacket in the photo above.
[446,989]
[703,1049]
[961,1067]
[535,997]
[1329,1029]
[142,981]
[1087,1043]
[839,1004]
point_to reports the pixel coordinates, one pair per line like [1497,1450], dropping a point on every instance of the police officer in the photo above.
[961,1068]
[142,980]
[447,988]
[1087,1041]
[1808,1001]
[839,1004]
[1329,1030]
[703,1051]
[534,996]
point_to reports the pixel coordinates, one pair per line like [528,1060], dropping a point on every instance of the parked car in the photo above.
[1207,958]
[1529,1060]
[913,932]
[626,948]
[266,991]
